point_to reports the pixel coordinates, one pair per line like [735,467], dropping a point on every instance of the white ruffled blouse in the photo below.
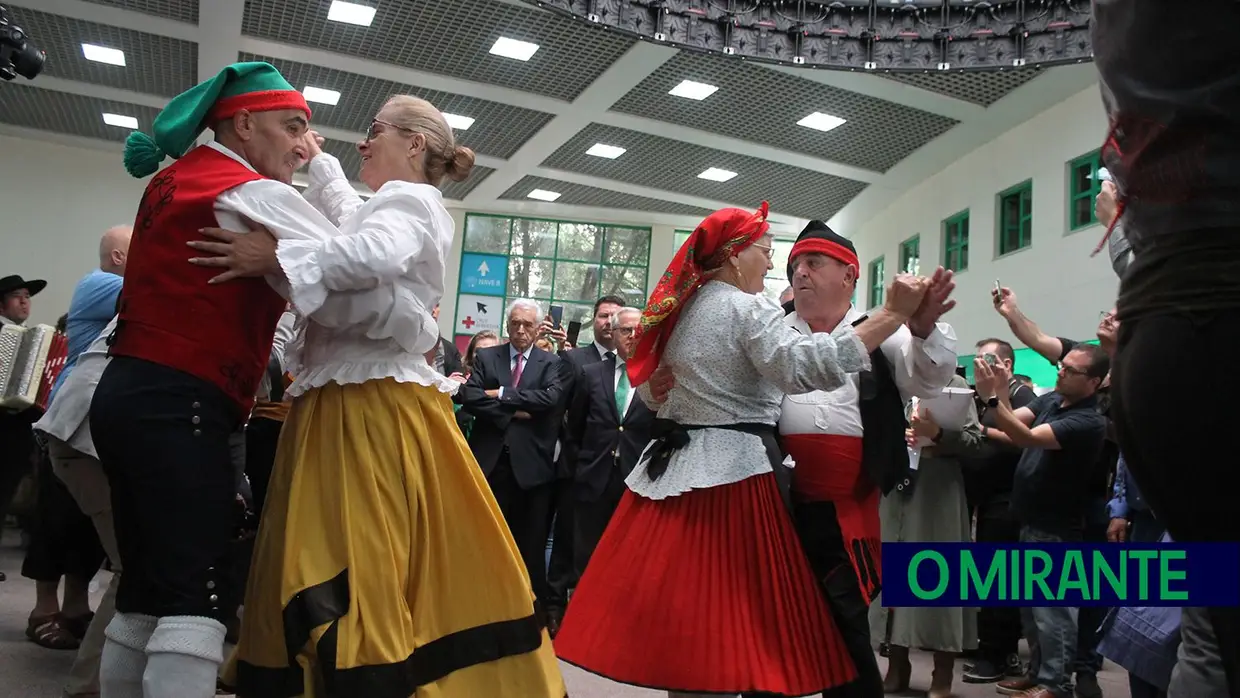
[363,276]
[734,359]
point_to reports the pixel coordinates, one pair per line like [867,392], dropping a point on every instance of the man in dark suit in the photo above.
[561,574]
[608,427]
[515,393]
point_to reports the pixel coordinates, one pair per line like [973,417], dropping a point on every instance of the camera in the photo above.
[17,55]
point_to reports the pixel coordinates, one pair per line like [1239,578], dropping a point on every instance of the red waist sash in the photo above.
[828,469]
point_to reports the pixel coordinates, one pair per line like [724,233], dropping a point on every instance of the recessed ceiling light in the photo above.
[511,48]
[544,195]
[458,122]
[611,152]
[103,54]
[821,122]
[693,90]
[120,120]
[320,95]
[715,174]
[351,13]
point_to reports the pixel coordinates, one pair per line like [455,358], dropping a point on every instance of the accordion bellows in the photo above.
[26,355]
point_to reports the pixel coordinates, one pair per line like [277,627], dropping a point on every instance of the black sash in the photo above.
[668,437]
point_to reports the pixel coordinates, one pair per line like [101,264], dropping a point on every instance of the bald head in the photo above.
[114,249]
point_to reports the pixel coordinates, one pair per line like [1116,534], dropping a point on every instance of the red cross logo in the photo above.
[468,322]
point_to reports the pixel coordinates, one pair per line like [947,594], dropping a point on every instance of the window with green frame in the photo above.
[1016,218]
[561,263]
[1083,188]
[910,255]
[877,286]
[956,242]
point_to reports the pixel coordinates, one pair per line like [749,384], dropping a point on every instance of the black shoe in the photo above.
[1015,667]
[983,671]
[1087,686]
[884,649]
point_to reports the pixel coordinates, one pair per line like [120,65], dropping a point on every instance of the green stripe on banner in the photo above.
[1028,362]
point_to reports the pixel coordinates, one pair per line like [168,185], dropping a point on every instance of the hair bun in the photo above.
[460,164]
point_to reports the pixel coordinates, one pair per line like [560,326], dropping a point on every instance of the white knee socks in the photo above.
[124,655]
[183,658]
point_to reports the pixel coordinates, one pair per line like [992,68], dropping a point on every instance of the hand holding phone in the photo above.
[557,316]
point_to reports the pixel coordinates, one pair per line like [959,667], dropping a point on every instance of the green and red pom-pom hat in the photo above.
[251,86]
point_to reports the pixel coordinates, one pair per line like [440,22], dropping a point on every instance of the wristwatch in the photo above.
[993,402]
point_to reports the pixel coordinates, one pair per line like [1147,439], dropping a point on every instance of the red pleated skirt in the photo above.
[705,592]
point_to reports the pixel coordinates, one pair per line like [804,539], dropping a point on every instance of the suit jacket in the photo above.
[602,439]
[530,442]
[451,356]
[577,359]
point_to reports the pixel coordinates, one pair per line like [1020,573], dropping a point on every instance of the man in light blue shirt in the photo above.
[94,300]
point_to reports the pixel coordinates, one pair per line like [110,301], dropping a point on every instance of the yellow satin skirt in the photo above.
[383,567]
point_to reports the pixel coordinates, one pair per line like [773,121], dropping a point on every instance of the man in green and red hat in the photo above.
[187,357]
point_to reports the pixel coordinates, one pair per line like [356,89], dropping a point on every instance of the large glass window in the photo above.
[554,262]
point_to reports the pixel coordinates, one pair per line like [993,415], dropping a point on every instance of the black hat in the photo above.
[833,245]
[15,282]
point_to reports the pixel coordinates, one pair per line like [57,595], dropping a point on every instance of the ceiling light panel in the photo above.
[716,174]
[514,49]
[103,54]
[321,96]
[821,122]
[458,122]
[601,150]
[543,195]
[693,90]
[121,121]
[351,13]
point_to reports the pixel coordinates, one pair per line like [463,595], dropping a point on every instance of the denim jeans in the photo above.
[1051,631]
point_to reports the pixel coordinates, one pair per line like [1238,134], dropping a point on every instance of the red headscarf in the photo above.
[722,234]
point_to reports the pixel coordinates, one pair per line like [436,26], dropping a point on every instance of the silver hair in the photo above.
[527,304]
[614,320]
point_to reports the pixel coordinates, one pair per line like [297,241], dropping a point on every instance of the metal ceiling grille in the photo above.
[450,37]
[351,163]
[663,163]
[758,104]
[499,129]
[580,195]
[75,115]
[155,65]
[984,88]
[180,10]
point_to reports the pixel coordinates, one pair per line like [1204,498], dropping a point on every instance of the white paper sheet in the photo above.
[949,410]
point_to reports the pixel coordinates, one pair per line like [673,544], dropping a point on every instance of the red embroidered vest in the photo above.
[169,314]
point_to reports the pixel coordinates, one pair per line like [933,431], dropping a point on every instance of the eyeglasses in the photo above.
[625,331]
[770,252]
[1071,371]
[1106,316]
[371,132]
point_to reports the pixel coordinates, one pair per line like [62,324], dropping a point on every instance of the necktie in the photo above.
[516,374]
[622,391]
[610,357]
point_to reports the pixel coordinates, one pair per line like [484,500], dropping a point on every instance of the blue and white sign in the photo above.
[485,274]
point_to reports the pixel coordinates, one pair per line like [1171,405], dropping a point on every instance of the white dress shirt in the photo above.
[365,290]
[66,418]
[920,368]
[512,363]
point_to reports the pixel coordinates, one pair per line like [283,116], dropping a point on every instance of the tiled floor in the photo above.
[29,671]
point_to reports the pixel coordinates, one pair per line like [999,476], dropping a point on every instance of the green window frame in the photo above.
[956,242]
[877,274]
[910,255]
[558,262]
[1015,208]
[1083,188]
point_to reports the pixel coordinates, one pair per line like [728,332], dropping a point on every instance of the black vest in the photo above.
[884,454]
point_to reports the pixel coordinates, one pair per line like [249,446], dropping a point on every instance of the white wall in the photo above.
[55,203]
[1057,283]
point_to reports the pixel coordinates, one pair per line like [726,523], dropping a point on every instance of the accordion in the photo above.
[31,358]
